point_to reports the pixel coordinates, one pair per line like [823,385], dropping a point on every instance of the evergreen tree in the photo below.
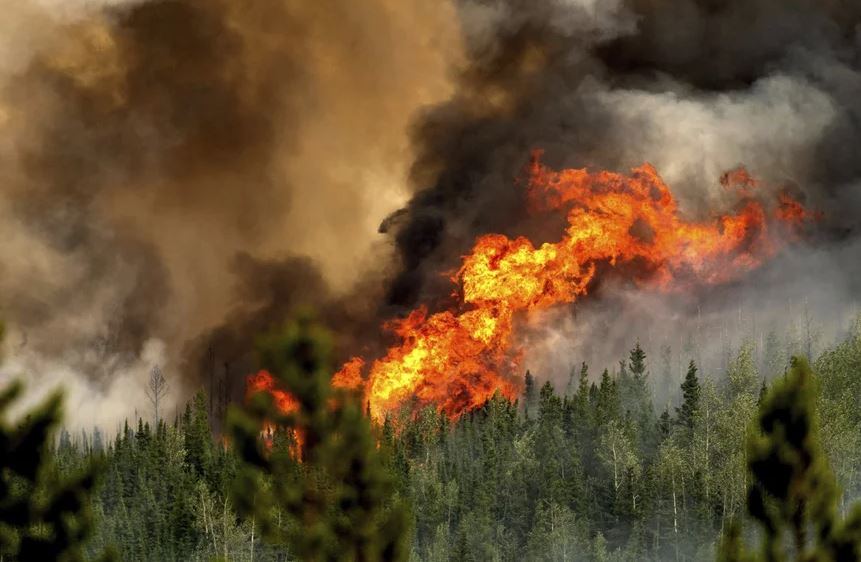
[686,413]
[340,499]
[607,403]
[583,385]
[529,393]
[43,516]
[664,424]
[793,495]
[637,361]
[198,440]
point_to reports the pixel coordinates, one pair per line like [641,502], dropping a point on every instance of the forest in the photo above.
[596,471]
[430,281]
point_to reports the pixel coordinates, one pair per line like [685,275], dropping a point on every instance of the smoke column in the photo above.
[164,162]
[178,175]
[696,88]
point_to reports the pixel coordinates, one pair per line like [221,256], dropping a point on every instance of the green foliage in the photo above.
[592,475]
[687,412]
[339,500]
[42,516]
[793,494]
[637,361]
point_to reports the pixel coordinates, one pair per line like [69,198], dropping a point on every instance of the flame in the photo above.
[793,212]
[459,358]
[348,378]
[350,375]
[263,381]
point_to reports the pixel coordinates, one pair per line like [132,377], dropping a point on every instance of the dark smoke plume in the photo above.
[191,172]
[695,87]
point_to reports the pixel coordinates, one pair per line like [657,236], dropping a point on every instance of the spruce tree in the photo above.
[43,516]
[339,499]
[794,494]
[198,436]
[583,383]
[530,395]
[637,362]
[687,412]
[607,403]
[664,424]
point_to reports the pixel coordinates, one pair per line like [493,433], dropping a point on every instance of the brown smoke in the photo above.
[146,144]
[191,171]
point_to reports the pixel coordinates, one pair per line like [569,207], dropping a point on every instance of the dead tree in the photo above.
[156,390]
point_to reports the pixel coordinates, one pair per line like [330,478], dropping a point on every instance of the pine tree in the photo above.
[607,403]
[529,394]
[340,498]
[793,495]
[686,414]
[583,384]
[664,424]
[637,362]
[42,516]
[636,397]
[198,439]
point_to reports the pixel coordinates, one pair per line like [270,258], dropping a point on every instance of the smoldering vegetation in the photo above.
[189,173]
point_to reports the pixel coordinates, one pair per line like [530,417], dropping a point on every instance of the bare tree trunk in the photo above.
[156,389]
[615,469]
[224,529]
[675,517]
[211,379]
[706,459]
[208,524]
[252,539]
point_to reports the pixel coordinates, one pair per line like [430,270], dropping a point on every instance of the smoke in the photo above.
[695,88]
[192,172]
[145,145]
[801,303]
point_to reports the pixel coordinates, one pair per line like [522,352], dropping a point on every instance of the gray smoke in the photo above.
[178,176]
[696,88]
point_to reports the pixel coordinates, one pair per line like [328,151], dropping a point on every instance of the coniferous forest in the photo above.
[748,464]
[430,280]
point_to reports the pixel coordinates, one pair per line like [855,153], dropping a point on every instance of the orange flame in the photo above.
[348,378]
[458,358]
[793,212]
[263,381]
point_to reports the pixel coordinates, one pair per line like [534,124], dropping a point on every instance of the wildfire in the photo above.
[458,358]
[263,381]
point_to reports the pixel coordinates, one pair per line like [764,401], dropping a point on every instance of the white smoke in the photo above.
[88,404]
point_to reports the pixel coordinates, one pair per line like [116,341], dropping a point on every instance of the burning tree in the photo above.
[339,497]
[460,357]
